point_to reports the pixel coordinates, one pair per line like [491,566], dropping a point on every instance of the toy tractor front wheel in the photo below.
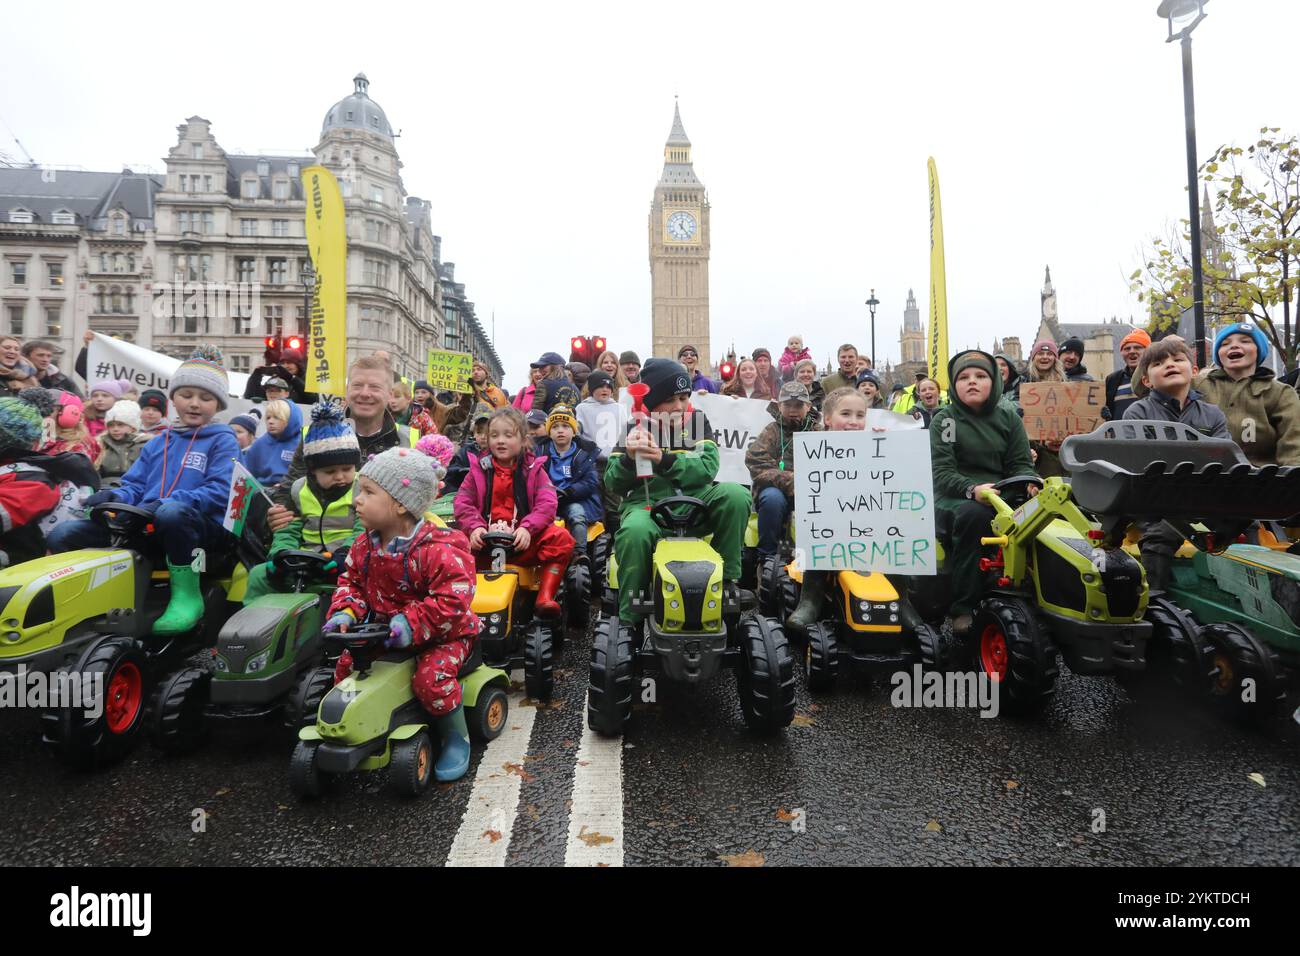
[487,718]
[822,657]
[934,651]
[609,692]
[411,766]
[1013,651]
[577,592]
[114,671]
[778,594]
[1247,673]
[766,675]
[306,780]
[539,653]
[177,720]
[304,700]
[1178,656]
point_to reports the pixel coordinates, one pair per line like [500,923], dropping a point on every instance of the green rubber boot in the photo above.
[185,609]
[812,597]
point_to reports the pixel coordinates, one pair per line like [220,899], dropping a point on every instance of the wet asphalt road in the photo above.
[854,781]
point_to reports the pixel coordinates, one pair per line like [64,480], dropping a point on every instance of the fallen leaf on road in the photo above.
[492,835]
[533,758]
[1256,778]
[223,791]
[282,806]
[533,813]
[784,815]
[568,744]
[934,826]
[519,771]
[803,720]
[1012,784]
[584,763]
[748,858]
[593,838]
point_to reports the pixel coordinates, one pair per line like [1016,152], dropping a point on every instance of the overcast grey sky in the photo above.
[537,129]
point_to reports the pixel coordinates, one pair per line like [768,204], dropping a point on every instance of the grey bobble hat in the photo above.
[203,369]
[405,474]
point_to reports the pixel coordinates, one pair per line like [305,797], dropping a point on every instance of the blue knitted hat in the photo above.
[1245,327]
[22,419]
[330,439]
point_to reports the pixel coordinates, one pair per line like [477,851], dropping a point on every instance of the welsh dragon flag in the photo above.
[242,488]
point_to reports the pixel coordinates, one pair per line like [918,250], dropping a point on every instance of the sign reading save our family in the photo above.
[1056,410]
[865,501]
[450,371]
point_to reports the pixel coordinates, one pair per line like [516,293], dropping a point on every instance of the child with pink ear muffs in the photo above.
[66,431]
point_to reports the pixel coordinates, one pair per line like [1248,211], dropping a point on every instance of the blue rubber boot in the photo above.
[454,759]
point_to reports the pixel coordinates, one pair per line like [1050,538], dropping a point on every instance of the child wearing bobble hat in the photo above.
[420,578]
[184,479]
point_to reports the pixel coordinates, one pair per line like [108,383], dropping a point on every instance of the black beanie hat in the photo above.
[664,378]
[1074,345]
[153,398]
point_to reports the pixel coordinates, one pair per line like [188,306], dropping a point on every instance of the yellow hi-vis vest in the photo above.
[324,527]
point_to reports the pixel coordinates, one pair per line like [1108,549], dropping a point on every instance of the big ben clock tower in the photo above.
[679,253]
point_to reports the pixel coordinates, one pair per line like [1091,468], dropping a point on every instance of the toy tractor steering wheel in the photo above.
[123,522]
[306,565]
[499,544]
[1015,490]
[365,641]
[665,516]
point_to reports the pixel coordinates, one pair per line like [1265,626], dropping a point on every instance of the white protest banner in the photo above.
[882,418]
[113,358]
[736,422]
[864,501]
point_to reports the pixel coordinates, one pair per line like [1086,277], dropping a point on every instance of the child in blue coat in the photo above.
[571,464]
[183,477]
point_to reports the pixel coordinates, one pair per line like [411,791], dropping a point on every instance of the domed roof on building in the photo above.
[357,111]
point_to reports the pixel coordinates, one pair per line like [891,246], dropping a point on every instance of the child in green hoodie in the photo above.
[975,440]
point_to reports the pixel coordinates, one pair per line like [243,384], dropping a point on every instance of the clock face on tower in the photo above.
[681,226]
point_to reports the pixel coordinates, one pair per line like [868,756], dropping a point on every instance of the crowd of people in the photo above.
[361,475]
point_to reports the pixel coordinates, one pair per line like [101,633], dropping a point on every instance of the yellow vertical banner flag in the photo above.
[937,345]
[328,244]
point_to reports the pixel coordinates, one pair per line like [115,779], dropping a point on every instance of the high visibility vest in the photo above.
[323,526]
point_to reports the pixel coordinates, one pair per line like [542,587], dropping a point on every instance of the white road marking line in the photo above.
[484,835]
[596,809]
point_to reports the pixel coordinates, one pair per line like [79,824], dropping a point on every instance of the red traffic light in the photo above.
[726,370]
[599,343]
[271,342]
[293,342]
[579,343]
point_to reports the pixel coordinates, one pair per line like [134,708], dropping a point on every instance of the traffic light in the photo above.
[586,349]
[273,349]
[294,343]
[726,370]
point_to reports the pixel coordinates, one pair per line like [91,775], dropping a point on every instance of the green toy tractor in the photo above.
[371,719]
[694,630]
[262,661]
[85,616]
[1229,625]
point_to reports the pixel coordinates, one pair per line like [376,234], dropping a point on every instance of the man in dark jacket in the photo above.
[41,356]
[1119,385]
[289,367]
[770,460]
[1072,361]
[554,387]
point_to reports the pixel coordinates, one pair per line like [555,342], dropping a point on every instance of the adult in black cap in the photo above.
[1071,356]
[630,363]
[554,387]
[689,356]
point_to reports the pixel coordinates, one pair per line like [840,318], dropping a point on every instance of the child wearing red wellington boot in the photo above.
[509,490]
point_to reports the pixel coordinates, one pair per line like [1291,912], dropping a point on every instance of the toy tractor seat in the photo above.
[473,662]
[1148,469]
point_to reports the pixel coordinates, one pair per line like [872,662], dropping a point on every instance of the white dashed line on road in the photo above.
[596,814]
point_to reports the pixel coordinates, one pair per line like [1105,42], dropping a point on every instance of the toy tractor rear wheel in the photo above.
[177,719]
[822,657]
[487,718]
[934,651]
[598,552]
[1247,678]
[304,700]
[1013,650]
[116,668]
[306,780]
[1177,654]
[411,766]
[577,593]
[766,675]
[539,652]
[609,691]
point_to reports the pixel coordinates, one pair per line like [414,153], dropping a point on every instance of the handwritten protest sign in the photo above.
[864,501]
[1056,410]
[450,371]
[736,422]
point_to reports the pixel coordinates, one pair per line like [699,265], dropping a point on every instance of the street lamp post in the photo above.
[308,275]
[1183,17]
[871,304]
